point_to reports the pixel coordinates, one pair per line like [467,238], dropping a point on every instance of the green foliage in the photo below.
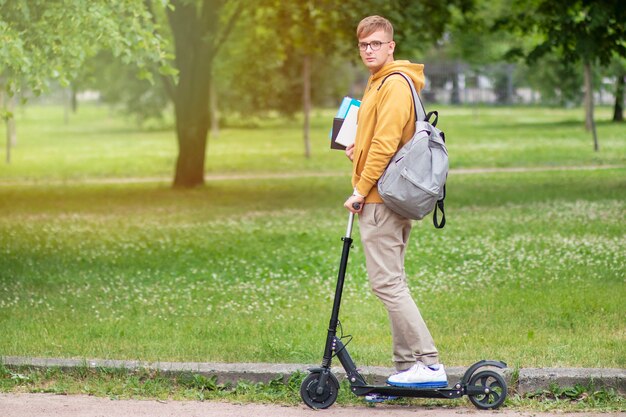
[418,25]
[271,43]
[587,30]
[145,383]
[578,397]
[44,40]
[553,37]
[120,87]
[268,49]
[559,81]
[471,37]
[199,382]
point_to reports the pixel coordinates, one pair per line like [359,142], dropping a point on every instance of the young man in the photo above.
[386,121]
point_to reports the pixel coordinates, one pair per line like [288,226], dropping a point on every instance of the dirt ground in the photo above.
[49,405]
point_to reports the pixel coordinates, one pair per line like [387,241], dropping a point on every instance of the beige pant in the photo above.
[384,236]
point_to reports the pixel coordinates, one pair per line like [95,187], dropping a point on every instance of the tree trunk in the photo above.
[510,89]
[455,96]
[6,121]
[8,155]
[618,110]
[214,109]
[74,93]
[191,94]
[589,121]
[191,132]
[197,39]
[11,130]
[192,125]
[588,96]
[306,101]
[67,98]
[7,104]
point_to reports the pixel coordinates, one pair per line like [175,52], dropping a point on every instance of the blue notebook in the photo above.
[343,109]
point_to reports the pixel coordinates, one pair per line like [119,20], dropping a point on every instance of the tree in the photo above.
[43,40]
[312,30]
[292,34]
[618,112]
[118,84]
[309,30]
[559,82]
[469,39]
[199,30]
[8,103]
[587,31]
[262,72]
[257,54]
[618,70]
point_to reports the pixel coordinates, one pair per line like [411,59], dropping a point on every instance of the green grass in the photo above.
[530,268]
[99,144]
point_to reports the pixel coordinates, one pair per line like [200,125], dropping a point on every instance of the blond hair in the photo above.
[372,24]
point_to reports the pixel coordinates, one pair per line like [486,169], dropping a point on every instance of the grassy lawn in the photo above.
[97,144]
[530,268]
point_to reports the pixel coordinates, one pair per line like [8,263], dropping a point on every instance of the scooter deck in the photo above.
[416,392]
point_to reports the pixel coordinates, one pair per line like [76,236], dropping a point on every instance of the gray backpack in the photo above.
[414,182]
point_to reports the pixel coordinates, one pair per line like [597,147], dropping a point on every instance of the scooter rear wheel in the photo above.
[494,384]
[319,400]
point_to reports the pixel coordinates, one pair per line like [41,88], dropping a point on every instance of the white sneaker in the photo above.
[420,376]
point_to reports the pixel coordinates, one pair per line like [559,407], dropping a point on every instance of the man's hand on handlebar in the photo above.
[354,203]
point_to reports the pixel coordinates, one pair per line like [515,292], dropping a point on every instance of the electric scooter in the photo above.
[485,388]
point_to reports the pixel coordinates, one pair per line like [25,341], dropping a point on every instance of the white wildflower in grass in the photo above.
[188,279]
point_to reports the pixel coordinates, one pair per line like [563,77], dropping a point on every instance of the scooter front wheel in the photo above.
[494,388]
[316,396]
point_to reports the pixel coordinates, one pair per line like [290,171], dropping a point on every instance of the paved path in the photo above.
[48,405]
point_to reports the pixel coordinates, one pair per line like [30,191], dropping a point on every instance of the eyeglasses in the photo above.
[375,45]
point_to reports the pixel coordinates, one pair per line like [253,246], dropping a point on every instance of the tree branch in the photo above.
[168,83]
[219,40]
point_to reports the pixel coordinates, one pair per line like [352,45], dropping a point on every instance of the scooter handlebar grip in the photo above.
[356,206]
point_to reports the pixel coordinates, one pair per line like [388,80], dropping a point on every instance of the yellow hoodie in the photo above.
[386,121]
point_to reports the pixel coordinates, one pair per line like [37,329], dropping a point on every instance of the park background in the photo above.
[168,192]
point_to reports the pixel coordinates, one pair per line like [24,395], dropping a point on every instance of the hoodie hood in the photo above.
[414,71]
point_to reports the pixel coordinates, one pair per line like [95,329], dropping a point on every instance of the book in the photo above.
[337,122]
[343,131]
[347,133]
[343,108]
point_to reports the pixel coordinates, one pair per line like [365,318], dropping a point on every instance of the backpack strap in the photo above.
[439,206]
[420,112]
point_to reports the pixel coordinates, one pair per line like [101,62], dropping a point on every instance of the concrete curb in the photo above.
[528,379]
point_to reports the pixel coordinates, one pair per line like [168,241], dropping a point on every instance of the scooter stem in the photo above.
[350,223]
[356,206]
[334,317]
